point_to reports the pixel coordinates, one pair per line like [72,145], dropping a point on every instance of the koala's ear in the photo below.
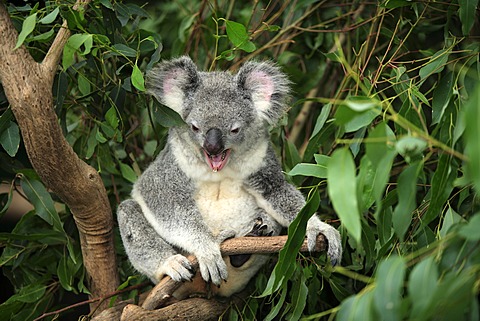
[170,82]
[268,87]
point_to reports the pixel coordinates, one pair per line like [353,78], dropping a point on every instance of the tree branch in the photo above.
[52,58]
[163,291]
[29,91]
[156,305]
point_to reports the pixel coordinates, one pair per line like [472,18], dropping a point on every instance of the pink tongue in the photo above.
[216,162]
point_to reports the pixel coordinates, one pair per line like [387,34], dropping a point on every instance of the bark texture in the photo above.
[28,87]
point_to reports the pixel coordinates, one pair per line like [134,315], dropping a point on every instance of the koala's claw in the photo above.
[177,267]
[212,267]
[259,229]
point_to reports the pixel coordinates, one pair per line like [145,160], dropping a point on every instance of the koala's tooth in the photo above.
[215,170]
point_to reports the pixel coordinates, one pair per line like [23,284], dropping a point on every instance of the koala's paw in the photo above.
[177,267]
[315,227]
[212,267]
[259,229]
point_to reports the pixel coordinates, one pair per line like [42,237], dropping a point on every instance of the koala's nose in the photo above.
[213,144]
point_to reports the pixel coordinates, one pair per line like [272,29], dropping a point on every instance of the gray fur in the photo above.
[188,201]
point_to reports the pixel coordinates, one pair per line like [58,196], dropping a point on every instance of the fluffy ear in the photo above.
[268,88]
[170,82]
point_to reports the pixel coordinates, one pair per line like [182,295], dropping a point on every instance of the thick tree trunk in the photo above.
[28,87]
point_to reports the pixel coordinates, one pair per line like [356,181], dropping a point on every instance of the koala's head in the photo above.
[226,114]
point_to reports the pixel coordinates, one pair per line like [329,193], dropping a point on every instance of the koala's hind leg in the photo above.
[147,251]
[259,229]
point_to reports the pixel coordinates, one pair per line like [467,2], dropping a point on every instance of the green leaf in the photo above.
[128,173]
[64,273]
[435,64]
[99,137]
[409,146]
[278,306]
[416,92]
[73,45]
[380,141]
[304,169]
[361,120]
[27,28]
[441,97]
[185,24]
[471,230]
[285,266]
[342,189]
[38,195]
[321,119]
[43,37]
[137,79]
[92,142]
[361,103]
[6,203]
[111,117]
[83,85]
[10,139]
[124,50]
[166,116]
[407,191]
[357,307]
[49,18]
[472,137]
[467,13]
[299,295]
[421,284]
[451,218]
[442,186]
[28,294]
[387,296]
[237,34]
[5,118]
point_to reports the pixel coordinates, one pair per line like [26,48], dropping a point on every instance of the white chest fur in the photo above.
[226,205]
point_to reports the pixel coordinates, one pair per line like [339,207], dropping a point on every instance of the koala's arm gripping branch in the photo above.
[163,291]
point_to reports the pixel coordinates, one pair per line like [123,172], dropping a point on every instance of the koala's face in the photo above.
[226,114]
[222,120]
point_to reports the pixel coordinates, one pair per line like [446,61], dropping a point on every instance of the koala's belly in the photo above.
[226,205]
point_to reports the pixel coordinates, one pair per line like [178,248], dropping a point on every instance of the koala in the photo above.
[217,177]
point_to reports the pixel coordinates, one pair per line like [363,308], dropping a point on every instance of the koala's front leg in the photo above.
[283,202]
[147,251]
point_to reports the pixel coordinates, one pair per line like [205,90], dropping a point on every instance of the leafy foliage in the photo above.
[382,137]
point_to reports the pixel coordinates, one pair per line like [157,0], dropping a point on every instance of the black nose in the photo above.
[213,144]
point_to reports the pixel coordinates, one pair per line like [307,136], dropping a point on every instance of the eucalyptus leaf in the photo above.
[422,283]
[407,191]
[342,190]
[137,78]
[435,64]
[467,11]
[304,169]
[27,28]
[387,297]
[10,139]
[472,137]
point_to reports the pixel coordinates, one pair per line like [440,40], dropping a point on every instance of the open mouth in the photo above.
[218,161]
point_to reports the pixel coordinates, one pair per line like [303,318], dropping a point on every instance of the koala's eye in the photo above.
[195,129]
